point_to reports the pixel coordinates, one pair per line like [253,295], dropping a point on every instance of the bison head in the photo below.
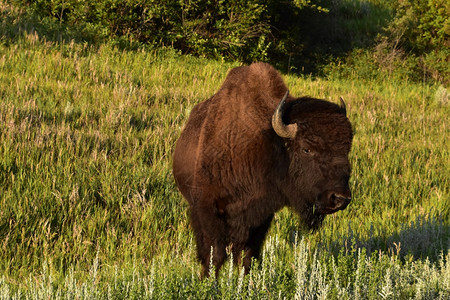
[318,137]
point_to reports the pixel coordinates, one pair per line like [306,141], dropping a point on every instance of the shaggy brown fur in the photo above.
[236,171]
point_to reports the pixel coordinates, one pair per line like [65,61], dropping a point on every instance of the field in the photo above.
[89,208]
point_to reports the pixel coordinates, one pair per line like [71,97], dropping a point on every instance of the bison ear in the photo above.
[343,106]
[281,129]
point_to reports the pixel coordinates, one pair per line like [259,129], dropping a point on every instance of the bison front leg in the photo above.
[247,242]
[257,236]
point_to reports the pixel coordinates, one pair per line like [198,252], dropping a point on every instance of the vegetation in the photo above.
[414,45]
[410,36]
[89,208]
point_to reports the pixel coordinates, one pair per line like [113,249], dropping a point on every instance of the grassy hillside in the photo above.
[89,207]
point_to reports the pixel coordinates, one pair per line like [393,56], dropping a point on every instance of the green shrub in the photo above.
[418,37]
[421,26]
[238,30]
[234,29]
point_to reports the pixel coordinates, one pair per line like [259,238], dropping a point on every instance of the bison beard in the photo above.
[252,149]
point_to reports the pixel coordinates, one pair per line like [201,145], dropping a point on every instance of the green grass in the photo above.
[89,208]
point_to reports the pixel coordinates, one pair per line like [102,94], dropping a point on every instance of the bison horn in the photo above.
[283,130]
[343,107]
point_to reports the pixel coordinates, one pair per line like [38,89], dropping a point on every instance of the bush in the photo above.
[235,29]
[248,31]
[421,26]
[418,35]
[413,46]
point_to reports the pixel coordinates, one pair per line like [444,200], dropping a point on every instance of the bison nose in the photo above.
[340,201]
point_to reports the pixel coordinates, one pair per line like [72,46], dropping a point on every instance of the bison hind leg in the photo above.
[210,240]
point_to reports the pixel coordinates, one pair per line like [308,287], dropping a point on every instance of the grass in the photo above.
[89,208]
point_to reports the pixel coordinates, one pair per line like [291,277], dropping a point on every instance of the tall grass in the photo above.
[303,274]
[89,208]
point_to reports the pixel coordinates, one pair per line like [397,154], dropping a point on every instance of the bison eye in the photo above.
[306,150]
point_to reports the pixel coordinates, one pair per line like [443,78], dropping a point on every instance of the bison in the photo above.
[252,149]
